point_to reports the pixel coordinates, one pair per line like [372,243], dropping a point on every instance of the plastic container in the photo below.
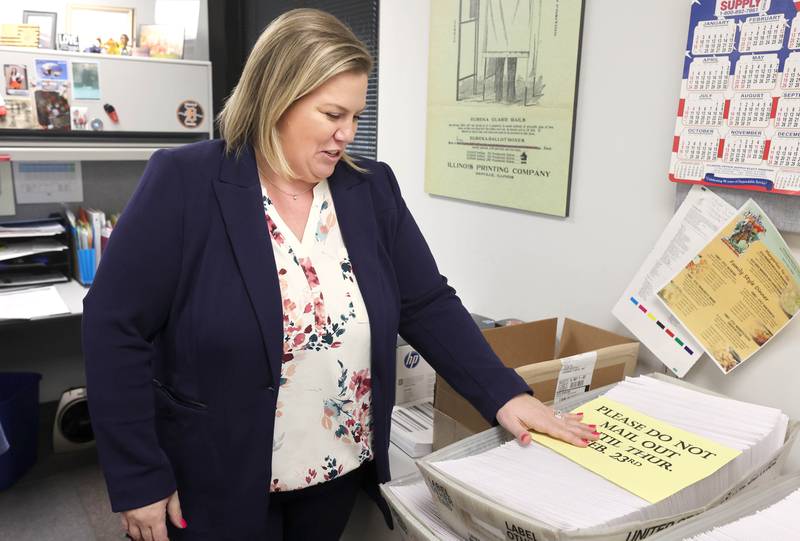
[19,415]
[86,266]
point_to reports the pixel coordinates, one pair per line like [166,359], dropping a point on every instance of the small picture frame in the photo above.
[161,40]
[46,21]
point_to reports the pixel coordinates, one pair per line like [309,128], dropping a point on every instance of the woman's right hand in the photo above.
[148,523]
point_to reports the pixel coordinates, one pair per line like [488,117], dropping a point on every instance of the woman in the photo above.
[240,332]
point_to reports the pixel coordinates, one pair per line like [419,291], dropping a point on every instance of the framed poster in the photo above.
[161,40]
[738,121]
[96,25]
[46,21]
[502,86]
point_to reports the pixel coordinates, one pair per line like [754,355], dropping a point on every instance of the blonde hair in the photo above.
[296,54]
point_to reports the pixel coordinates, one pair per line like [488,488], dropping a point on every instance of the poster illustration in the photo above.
[502,85]
[52,110]
[738,121]
[739,291]
[19,114]
[80,118]
[85,81]
[54,70]
[16,76]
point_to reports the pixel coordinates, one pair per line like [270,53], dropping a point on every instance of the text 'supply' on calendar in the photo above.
[738,120]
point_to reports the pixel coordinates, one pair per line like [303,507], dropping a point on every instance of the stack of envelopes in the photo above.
[540,483]
[416,500]
[779,521]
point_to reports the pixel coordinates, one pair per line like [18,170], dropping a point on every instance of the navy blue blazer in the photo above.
[183,334]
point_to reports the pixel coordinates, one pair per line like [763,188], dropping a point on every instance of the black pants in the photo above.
[319,512]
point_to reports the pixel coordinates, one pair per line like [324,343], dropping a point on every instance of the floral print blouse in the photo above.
[323,421]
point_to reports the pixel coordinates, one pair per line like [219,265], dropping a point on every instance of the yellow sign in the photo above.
[641,454]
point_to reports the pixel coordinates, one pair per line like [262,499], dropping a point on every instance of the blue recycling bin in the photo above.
[19,418]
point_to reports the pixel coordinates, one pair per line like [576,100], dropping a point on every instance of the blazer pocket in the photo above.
[176,398]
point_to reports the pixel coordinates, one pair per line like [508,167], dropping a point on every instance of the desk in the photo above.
[73,293]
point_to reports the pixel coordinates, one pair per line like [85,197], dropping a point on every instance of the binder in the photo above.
[97,221]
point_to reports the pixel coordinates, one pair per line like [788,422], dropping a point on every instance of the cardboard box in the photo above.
[530,348]
[476,516]
[415,377]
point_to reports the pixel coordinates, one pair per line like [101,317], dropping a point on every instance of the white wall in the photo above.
[507,263]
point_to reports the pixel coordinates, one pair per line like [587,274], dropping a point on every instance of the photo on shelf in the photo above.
[161,40]
[16,76]
[19,114]
[52,110]
[54,70]
[85,81]
[100,29]
[46,21]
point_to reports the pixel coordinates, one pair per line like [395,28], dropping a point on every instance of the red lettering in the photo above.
[733,5]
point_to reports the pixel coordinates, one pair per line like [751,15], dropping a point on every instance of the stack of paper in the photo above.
[700,215]
[31,229]
[417,500]
[31,303]
[778,521]
[548,487]
[412,427]
[25,248]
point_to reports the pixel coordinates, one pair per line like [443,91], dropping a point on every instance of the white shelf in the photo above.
[95,152]
[44,53]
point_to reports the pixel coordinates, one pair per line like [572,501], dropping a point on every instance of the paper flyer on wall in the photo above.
[700,215]
[738,121]
[739,291]
[502,86]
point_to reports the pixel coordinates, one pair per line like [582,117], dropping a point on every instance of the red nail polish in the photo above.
[580,413]
[585,441]
[593,427]
[183,523]
[595,433]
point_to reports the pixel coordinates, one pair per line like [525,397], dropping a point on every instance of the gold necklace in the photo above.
[292,195]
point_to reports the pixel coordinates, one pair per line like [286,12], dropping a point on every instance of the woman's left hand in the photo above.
[525,412]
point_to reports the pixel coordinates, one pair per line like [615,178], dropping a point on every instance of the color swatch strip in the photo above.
[661,325]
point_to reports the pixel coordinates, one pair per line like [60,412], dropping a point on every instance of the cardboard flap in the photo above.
[527,343]
[579,337]
[448,401]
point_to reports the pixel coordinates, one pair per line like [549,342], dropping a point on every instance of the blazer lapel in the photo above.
[353,203]
[239,194]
